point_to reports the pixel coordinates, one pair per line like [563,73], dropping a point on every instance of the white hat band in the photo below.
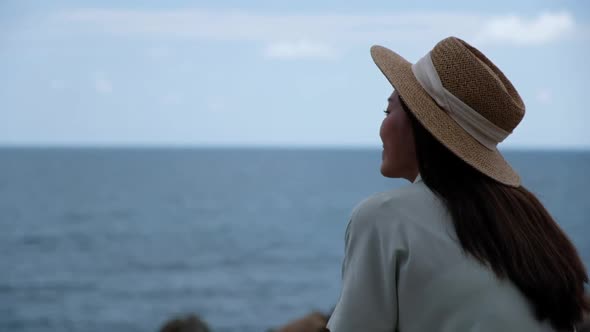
[480,128]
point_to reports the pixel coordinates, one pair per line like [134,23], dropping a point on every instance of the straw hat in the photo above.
[462,99]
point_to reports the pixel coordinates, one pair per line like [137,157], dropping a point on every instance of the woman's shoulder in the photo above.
[407,204]
[409,197]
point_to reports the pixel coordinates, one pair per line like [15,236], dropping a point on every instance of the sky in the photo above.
[268,72]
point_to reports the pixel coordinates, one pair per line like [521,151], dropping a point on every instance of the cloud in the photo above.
[57,84]
[102,85]
[158,53]
[304,36]
[299,49]
[172,98]
[237,25]
[513,29]
[544,96]
[217,105]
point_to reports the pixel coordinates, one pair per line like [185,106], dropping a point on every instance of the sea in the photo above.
[124,239]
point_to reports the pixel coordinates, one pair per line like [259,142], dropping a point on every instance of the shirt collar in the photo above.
[418,178]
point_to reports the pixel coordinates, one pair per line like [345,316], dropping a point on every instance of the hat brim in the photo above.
[436,120]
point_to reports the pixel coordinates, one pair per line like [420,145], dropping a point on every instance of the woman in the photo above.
[464,247]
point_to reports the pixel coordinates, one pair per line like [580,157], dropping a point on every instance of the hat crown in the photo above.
[469,75]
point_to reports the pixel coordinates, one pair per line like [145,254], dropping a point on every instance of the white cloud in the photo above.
[103,85]
[299,49]
[158,53]
[172,99]
[544,96]
[299,34]
[56,84]
[216,106]
[545,28]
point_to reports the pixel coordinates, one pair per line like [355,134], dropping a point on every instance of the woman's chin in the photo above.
[391,171]
[386,171]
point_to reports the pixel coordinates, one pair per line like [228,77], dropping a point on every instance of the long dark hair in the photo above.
[508,230]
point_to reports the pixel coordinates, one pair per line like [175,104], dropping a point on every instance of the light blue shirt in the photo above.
[404,270]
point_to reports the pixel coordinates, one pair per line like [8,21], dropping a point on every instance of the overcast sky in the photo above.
[274,72]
